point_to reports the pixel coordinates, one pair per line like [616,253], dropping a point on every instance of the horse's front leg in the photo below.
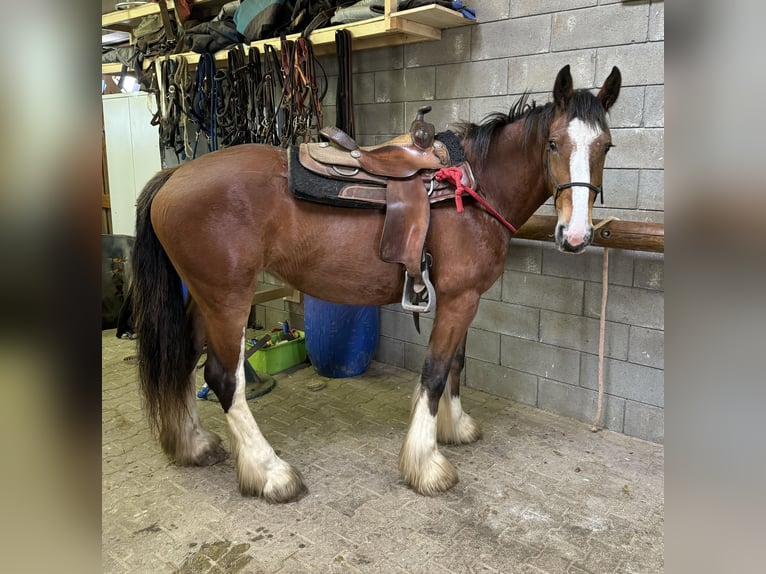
[453,425]
[423,467]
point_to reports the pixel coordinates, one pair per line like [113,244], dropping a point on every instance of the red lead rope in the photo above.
[454,175]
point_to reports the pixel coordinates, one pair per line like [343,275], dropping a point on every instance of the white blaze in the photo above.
[582,136]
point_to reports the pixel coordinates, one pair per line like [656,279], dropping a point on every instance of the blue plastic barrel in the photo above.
[340,339]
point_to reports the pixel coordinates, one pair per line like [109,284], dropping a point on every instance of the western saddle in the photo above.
[405,168]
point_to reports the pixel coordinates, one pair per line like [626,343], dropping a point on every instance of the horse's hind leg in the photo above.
[423,467]
[260,471]
[453,426]
[186,441]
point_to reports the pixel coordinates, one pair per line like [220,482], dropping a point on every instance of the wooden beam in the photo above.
[271,294]
[634,235]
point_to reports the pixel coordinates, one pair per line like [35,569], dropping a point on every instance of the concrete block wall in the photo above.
[535,337]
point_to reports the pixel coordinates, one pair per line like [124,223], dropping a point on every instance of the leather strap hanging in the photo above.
[344,98]
[165,16]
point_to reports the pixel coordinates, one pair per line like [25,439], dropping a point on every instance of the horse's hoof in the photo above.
[465,432]
[434,476]
[283,484]
[204,449]
[214,454]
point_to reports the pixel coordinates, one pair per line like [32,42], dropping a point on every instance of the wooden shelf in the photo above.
[435,16]
[119,19]
[406,27]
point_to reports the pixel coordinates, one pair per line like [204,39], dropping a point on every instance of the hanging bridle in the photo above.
[599,189]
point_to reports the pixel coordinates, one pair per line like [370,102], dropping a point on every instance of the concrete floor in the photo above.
[539,493]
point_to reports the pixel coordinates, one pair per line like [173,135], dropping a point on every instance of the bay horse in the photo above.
[216,222]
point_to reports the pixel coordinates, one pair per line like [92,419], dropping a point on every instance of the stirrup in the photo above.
[422,301]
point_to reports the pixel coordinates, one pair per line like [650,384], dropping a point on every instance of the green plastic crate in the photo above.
[275,359]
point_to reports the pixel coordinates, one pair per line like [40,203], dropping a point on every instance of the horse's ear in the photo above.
[611,89]
[562,88]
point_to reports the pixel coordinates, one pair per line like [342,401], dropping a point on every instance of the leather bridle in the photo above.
[599,189]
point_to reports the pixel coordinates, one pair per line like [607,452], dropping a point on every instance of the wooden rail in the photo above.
[634,235]
[276,293]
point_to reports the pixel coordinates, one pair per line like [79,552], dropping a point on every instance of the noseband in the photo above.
[562,186]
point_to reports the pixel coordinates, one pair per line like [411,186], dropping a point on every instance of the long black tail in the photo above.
[165,347]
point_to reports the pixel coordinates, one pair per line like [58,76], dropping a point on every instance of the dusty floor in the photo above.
[539,493]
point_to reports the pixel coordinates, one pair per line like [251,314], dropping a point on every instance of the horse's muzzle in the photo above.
[567,242]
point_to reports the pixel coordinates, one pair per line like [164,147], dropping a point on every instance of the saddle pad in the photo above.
[305,184]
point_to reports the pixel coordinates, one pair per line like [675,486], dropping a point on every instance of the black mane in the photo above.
[583,105]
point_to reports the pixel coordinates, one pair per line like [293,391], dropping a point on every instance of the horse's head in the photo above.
[578,141]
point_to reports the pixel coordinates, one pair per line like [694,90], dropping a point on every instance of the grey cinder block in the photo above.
[537,73]
[657,21]
[628,111]
[621,187]
[581,404]
[650,271]
[651,189]
[389,58]
[525,256]
[615,24]
[388,86]
[529,7]
[483,345]
[399,325]
[638,148]
[501,381]
[543,291]
[455,46]
[514,37]
[644,421]
[647,347]
[414,357]
[380,118]
[623,379]
[628,305]
[472,79]
[495,292]
[507,319]
[364,88]
[390,351]
[582,334]
[641,64]
[419,84]
[654,106]
[589,266]
[540,359]
[480,108]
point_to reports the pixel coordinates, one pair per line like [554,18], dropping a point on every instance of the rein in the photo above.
[562,186]
[454,175]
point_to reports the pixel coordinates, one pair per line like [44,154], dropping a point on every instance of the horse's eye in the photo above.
[607,147]
[552,146]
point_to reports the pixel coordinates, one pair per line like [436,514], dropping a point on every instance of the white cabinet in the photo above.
[132,154]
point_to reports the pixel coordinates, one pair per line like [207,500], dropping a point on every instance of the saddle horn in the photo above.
[421,131]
